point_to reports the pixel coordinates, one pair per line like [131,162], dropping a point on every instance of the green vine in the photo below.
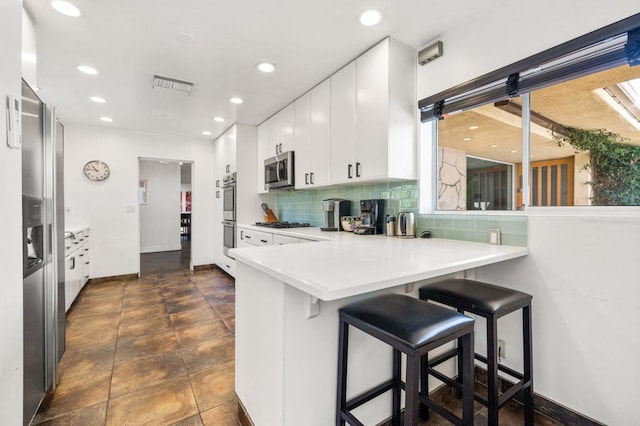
[614,164]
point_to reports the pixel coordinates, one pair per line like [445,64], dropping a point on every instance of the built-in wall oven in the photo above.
[228,213]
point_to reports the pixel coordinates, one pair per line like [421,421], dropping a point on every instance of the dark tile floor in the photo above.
[159,350]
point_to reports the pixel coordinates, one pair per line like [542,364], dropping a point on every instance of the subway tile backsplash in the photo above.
[306,206]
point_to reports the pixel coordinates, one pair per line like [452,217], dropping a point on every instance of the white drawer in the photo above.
[255,238]
[228,265]
[284,239]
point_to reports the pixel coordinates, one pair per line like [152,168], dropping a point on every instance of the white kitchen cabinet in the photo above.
[281,131]
[76,262]
[373,113]
[226,150]
[263,147]
[279,240]
[251,238]
[312,135]
[343,124]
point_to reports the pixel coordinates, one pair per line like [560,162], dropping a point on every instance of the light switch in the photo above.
[131,209]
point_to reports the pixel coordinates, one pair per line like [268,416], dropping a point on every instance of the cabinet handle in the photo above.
[217,183]
[357,169]
[248,237]
[311,178]
[277,149]
[241,235]
[229,267]
[264,241]
[217,194]
[280,147]
[73,263]
[306,178]
[350,171]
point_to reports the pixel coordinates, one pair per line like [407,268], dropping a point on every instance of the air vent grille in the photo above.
[172,84]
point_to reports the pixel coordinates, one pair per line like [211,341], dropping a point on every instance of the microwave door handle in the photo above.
[278,171]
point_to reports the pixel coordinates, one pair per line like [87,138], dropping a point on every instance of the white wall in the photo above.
[111,207]
[583,275]
[160,216]
[512,31]
[582,270]
[11,224]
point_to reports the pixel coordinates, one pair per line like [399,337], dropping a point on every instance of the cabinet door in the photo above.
[372,122]
[229,150]
[279,240]
[263,154]
[286,120]
[218,165]
[320,164]
[302,137]
[343,124]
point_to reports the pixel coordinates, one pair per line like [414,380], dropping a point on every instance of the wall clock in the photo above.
[96,170]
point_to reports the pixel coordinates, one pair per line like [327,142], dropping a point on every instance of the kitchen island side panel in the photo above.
[259,344]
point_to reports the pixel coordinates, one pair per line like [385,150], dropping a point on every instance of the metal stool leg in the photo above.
[343,346]
[459,359]
[492,370]
[395,404]
[411,408]
[424,385]
[528,365]
[466,343]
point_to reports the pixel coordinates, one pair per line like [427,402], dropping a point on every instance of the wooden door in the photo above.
[552,182]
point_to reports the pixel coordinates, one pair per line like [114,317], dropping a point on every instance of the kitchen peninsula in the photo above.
[287,298]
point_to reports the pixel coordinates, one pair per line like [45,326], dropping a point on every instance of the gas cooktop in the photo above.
[283,224]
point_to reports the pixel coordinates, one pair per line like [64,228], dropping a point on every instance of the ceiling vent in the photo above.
[172,84]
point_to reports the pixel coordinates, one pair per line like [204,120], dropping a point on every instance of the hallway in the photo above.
[154,350]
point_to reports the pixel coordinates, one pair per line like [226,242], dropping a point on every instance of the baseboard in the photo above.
[156,249]
[198,268]
[125,277]
[244,418]
[546,407]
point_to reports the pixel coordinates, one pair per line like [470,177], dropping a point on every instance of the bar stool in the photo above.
[412,327]
[491,302]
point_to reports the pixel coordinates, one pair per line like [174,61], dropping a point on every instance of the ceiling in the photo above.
[128,41]
[572,104]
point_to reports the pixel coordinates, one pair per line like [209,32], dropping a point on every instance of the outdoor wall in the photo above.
[11,224]
[110,208]
[160,216]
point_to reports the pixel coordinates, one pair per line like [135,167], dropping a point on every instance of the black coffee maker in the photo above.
[372,217]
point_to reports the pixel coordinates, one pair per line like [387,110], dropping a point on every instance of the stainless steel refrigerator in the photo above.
[43,249]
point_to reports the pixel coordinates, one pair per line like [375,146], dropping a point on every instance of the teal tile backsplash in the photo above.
[306,206]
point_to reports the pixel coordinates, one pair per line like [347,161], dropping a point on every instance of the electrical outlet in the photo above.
[494,236]
[502,350]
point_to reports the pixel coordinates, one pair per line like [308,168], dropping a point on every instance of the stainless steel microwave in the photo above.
[279,171]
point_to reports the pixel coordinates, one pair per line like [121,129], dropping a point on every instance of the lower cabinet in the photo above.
[253,238]
[77,264]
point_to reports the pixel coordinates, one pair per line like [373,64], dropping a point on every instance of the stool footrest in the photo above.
[448,380]
[374,392]
[506,396]
[440,410]
[503,368]
[351,419]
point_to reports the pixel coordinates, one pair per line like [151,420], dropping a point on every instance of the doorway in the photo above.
[164,193]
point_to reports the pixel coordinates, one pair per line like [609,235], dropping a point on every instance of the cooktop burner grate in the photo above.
[282,224]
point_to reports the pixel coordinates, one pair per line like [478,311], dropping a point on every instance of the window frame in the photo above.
[484,89]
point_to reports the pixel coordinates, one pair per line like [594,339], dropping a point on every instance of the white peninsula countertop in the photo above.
[345,264]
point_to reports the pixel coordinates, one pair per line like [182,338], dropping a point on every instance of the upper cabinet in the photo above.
[312,135]
[373,111]
[357,126]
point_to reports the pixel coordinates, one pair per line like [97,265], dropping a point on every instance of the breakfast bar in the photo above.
[287,301]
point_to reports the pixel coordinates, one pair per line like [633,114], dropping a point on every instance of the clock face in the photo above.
[96,170]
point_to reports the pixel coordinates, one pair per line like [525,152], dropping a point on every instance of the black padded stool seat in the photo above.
[491,302]
[412,327]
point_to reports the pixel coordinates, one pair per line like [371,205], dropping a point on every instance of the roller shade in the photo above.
[609,47]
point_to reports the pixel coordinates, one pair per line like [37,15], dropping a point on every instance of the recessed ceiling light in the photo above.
[513,151]
[206,133]
[87,69]
[266,66]
[66,8]
[493,146]
[467,139]
[473,127]
[218,119]
[370,17]
[106,119]
[236,100]
[98,99]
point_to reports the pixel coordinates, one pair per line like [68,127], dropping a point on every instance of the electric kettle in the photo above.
[406,225]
